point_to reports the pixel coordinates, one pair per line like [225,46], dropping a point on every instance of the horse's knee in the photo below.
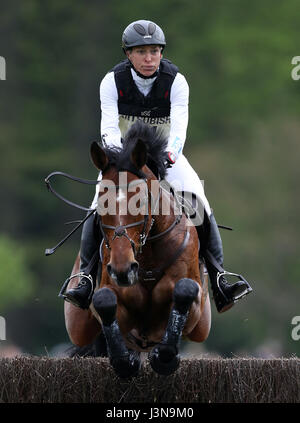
[185,292]
[105,303]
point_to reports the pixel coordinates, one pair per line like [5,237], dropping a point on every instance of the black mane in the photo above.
[156,145]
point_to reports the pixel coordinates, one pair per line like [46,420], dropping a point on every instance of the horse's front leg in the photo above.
[164,357]
[126,363]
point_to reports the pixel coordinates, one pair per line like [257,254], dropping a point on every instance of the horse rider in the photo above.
[146,86]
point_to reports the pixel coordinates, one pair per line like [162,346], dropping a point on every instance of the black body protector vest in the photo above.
[153,109]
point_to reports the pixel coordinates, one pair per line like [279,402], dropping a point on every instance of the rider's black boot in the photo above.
[225,294]
[81,296]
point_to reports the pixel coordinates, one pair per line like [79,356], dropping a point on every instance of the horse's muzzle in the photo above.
[125,278]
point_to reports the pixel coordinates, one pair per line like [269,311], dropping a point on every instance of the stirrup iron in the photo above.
[247,290]
[81,275]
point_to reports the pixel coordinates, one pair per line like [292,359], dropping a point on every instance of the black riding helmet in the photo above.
[142,32]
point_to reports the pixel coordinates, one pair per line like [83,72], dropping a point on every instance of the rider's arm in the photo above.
[179,97]
[110,131]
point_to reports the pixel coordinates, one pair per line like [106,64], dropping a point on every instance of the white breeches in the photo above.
[182,177]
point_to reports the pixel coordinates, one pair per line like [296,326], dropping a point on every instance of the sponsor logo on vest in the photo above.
[147,119]
[146,113]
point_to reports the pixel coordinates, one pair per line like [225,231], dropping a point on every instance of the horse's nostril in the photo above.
[134,267]
[108,267]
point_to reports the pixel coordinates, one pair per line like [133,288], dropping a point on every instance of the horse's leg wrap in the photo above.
[125,363]
[164,357]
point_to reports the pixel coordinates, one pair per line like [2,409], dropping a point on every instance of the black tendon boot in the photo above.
[81,296]
[225,294]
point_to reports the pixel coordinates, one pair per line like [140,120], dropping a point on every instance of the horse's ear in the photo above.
[139,154]
[98,156]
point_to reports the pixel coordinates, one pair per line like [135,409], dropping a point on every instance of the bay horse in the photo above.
[152,289]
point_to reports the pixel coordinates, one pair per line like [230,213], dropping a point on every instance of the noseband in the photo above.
[120,231]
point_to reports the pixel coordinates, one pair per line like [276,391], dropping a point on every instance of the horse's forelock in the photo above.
[120,157]
[155,141]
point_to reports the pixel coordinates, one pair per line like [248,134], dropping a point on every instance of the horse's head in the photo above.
[123,207]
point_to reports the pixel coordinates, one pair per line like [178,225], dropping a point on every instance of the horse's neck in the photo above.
[166,212]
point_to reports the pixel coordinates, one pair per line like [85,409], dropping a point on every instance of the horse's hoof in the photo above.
[164,360]
[127,366]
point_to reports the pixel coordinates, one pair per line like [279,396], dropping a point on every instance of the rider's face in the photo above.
[145,59]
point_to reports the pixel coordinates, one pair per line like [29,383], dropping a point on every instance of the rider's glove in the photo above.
[169,159]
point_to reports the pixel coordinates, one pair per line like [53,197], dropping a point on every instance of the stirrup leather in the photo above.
[81,282]
[247,290]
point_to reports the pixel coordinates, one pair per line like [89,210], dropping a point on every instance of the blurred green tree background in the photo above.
[243,140]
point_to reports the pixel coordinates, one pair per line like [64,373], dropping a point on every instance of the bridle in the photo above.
[120,230]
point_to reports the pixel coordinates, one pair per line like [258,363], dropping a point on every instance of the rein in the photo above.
[118,230]
[73,178]
[50,251]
